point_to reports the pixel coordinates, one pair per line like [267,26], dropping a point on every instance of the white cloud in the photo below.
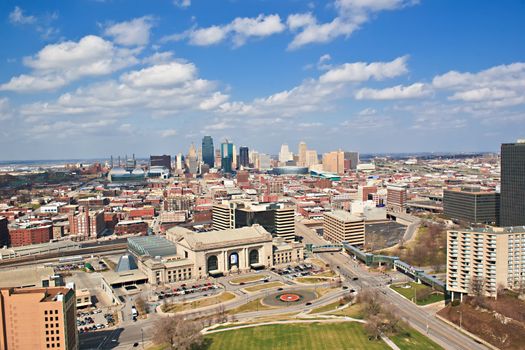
[168,133]
[495,87]
[159,57]
[362,71]
[214,101]
[239,31]
[17,17]
[5,109]
[135,32]
[182,3]
[161,75]
[351,14]
[56,65]
[416,90]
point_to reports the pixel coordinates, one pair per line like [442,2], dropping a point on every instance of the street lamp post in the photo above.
[142,334]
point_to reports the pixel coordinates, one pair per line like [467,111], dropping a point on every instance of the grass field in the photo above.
[248,279]
[312,336]
[415,289]
[413,340]
[354,311]
[195,304]
[254,305]
[327,307]
[263,286]
[312,280]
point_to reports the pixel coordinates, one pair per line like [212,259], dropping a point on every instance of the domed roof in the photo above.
[137,171]
[117,171]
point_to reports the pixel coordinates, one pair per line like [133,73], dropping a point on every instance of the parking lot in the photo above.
[300,270]
[185,290]
[90,320]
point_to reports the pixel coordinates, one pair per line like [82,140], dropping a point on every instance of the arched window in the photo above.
[233,260]
[254,256]
[213,263]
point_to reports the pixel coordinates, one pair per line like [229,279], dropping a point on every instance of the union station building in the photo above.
[185,254]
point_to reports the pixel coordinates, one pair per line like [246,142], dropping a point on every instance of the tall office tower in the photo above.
[164,160]
[471,205]
[340,225]
[276,218]
[334,162]
[311,158]
[512,209]
[208,154]
[396,198]
[226,157]
[179,163]
[494,256]
[235,162]
[192,160]
[351,160]
[285,155]
[244,158]
[302,153]
[38,318]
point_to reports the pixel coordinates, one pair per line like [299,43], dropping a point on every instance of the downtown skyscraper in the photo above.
[512,197]
[208,154]
[244,158]
[226,156]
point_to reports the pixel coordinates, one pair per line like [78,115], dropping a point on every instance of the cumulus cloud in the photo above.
[416,90]
[135,32]
[362,71]
[56,65]
[351,14]
[161,75]
[239,31]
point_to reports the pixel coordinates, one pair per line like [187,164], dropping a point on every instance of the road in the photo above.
[417,317]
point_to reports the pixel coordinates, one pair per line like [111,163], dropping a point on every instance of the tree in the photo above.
[477,287]
[141,305]
[178,333]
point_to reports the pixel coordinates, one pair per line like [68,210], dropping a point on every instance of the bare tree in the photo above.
[477,287]
[141,305]
[178,333]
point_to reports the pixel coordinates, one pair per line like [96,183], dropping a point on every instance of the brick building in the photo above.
[30,233]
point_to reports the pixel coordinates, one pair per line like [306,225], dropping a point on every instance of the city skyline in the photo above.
[98,78]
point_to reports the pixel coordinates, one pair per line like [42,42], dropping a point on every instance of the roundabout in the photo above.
[289,298]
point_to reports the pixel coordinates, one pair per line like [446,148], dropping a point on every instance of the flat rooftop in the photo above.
[491,229]
[343,215]
[25,276]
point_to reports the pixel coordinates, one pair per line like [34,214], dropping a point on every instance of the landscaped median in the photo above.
[198,303]
[263,286]
[248,279]
[418,293]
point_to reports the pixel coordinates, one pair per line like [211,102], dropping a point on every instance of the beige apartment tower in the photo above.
[489,258]
[38,318]
[340,225]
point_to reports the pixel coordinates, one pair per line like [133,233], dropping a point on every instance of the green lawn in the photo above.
[413,340]
[417,290]
[312,336]
[263,286]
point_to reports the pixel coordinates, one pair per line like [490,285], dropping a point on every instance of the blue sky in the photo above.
[91,78]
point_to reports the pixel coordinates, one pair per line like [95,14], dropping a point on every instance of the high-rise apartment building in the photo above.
[38,318]
[276,218]
[396,198]
[164,160]
[485,258]
[341,226]
[208,153]
[471,206]
[87,223]
[244,157]
[227,157]
[512,209]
